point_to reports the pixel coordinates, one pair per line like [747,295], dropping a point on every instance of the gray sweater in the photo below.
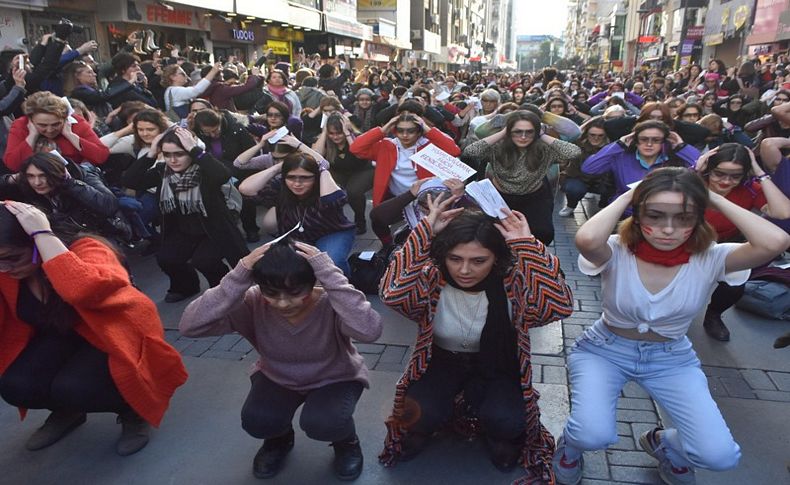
[311,354]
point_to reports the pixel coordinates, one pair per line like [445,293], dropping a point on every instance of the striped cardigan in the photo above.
[537,293]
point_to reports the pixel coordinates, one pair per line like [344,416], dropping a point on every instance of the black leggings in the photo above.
[537,207]
[59,372]
[182,253]
[498,403]
[328,413]
[724,297]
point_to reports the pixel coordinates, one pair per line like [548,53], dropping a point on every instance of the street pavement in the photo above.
[201,440]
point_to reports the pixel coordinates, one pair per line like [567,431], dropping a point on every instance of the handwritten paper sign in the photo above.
[487,197]
[278,135]
[442,164]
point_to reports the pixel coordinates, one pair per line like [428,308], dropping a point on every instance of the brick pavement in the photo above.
[624,462]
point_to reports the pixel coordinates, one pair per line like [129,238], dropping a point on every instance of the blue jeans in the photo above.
[338,246]
[575,190]
[600,365]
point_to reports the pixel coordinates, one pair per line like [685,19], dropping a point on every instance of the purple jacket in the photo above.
[624,166]
[632,98]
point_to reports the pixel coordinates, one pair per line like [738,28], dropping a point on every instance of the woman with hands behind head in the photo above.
[475,286]
[302,333]
[198,229]
[657,274]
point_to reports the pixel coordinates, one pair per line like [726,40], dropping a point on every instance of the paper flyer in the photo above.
[442,164]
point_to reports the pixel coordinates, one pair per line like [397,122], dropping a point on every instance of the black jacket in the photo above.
[120,90]
[219,224]
[94,99]
[235,140]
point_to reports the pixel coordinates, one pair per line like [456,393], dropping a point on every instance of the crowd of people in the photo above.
[194,163]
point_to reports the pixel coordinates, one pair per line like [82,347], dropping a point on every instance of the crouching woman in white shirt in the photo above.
[657,275]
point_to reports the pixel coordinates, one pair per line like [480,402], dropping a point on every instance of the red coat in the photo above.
[114,317]
[372,145]
[17,150]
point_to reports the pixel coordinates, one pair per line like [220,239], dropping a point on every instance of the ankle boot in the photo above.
[57,425]
[134,433]
[269,459]
[348,458]
[714,326]
[504,454]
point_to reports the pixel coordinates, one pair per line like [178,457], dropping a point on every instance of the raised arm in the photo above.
[591,238]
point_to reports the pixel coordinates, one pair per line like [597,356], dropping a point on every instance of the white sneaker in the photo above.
[566,211]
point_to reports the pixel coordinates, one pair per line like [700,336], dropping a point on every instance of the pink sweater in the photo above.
[316,352]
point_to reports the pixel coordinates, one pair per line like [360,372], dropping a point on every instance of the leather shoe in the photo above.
[348,459]
[269,459]
[57,425]
[714,326]
[134,434]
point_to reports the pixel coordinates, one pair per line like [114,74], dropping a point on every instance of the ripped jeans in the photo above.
[601,363]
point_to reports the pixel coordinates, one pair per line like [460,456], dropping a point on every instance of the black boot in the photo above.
[348,458]
[412,445]
[714,326]
[269,459]
[504,454]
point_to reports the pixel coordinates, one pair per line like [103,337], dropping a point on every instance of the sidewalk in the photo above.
[201,440]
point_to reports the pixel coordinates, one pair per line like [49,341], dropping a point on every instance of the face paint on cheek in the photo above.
[647,230]
[687,232]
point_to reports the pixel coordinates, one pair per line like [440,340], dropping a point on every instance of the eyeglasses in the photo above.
[274,115]
[722,175]
[299,179]
[557,106]
[522,133]
[650,140]
[407,131]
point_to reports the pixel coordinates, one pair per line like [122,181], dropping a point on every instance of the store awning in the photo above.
[280,11]
[347,27]
[219,5]
[391,41]
[24,4]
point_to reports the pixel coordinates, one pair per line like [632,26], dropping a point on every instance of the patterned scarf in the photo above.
[182,191]
[365,118]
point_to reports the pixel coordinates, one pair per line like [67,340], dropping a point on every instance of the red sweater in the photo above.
[372,145]
[17,149]
[114,317]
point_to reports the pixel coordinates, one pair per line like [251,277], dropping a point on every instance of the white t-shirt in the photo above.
[459,319]
[404,174]
[628,304]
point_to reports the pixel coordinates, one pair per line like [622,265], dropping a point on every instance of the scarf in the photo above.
[498,349]
[646,252]
[365,118]
[182,191]
[277,91]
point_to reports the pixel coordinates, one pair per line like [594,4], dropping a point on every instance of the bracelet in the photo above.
[299,145]
[765,176]
[43,231]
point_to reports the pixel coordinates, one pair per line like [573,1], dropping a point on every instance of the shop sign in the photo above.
[221,5]
[243,35]
[348,28]
[714,39]
[279,47]
[766,24]
[695,32]
[727,19]
[377,4]
[158,14]
[648,39]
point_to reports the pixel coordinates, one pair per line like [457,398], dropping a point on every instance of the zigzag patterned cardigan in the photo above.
[538,295]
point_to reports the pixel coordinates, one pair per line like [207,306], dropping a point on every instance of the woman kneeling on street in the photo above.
[475,287]
[303,336]
[657,275]
[75,336]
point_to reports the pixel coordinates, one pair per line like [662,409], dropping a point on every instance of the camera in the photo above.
[65,27]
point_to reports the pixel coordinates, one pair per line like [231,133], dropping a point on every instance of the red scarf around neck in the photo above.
[674,257]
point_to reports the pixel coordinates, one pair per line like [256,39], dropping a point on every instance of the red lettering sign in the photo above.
[156,13]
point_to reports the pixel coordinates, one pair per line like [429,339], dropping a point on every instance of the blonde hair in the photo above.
[167,73]
[45,102]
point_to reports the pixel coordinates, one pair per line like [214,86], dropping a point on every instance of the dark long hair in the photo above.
[537,151]
[53,168]
[335,123]
[281,268]
[472,225]
[153,116]
[292,162]
[729,152]
[55,311]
